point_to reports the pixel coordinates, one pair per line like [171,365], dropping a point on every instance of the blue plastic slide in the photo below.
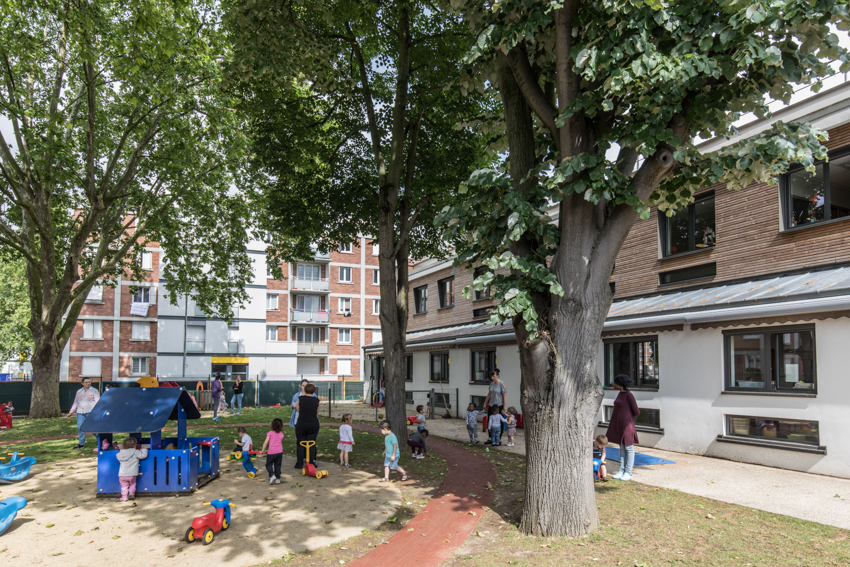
[9,509]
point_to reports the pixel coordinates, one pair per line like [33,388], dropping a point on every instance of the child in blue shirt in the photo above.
[391,452]
[494,424]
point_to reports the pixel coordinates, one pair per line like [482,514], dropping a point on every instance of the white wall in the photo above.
[169,336]
[216,337]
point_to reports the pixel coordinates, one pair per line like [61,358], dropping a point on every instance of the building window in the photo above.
[771,360]
[446,289]
[647,417]
[690,228]
[271,302]
[271,333]
[377,336]
[95,294]
[483,364]
[408,371]
[376,307]
[196,338]
[686,274]
[376,249]
[482,312]
[309,272]
[92,329]
[346,248]
[820,196]
[408,398]
[420,299]
[478,402]
[344,336]
[142,295]
[376,278]
[442,400]
[343,367]
[637,358]
[233,338]
[139,365]
[439,367]
[772,429]
[481,293]
[147,261]
[344,305]
[90,366]
[308,335]
[140,332]
[345,275]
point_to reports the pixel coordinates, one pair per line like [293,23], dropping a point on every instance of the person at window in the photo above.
[621,429]
[307,426]
[496,398]
[237,396]
[84,402]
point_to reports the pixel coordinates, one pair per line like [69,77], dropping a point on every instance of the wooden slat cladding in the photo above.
[460,313]
[749,243]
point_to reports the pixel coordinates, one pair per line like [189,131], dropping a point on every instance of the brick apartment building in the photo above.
[731,317]
[315,323]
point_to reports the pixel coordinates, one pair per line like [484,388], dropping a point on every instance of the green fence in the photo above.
[20,394]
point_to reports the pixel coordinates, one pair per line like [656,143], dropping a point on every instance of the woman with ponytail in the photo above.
[621,428]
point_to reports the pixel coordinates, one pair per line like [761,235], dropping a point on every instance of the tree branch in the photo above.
[531,91]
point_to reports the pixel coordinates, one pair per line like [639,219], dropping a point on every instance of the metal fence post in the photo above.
[330,398]
[431,403]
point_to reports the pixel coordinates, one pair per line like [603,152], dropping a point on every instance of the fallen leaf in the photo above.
[49,525]
[473,514]
[116,537]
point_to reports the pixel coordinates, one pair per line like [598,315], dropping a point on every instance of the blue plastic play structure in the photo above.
[16,469]
[178,464]
[9,509]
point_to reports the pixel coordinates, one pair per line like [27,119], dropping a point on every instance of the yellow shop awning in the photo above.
[230,360]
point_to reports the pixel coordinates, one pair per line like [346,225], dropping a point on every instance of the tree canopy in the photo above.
[15,336]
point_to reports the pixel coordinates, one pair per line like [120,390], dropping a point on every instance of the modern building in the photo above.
[314,323]
[731,316]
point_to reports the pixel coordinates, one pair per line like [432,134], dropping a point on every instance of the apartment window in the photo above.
[637,358]
[308,335]
[346,248]
[377,337]
[345,275]
[686,274]
[343,367]
[647,418]
[344,336]
[483,293]
[771,360]
[376,278]
[478,402]
[140,332]
[773,429]
[196,338]
[92,329]
[408,398]
[483,364]
[376,249]
[420,299]
[233,338]
[90,366]
[824,195]
[482,312]
[408,371]
[271,333]
[446,289]
[142,295]
[439,367]
[309,272]
[95,294]
[308,303]
[690,228]
[269,273]
[147,261]
[271,302]
[139,365]
[344,305]
[376,307]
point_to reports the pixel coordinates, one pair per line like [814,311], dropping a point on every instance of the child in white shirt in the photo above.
[472,423]
[420,418]
[346,440]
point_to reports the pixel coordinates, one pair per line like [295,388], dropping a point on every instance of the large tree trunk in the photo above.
[46,359]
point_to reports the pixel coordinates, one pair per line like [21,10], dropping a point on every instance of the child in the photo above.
[128,471]
[274,455]
[472,423]
[420,419]
[391,452]
[599,453]
[244,442]
[346,440]
[416,442]
[9,409]
[494,424]
[511,425]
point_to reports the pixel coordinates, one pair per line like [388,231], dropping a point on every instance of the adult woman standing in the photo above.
[216,395]
[294,419]
[237,396]
[307,426]
[621,428]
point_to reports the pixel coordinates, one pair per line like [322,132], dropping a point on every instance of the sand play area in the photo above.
[65,525]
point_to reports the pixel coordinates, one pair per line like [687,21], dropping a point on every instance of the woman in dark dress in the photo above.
[307,426]
[621,428]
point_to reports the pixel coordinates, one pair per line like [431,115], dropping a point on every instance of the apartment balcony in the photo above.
[301,316]
[321,256]
[320,286]
[313,348]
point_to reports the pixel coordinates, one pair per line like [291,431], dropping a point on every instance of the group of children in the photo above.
[496,420]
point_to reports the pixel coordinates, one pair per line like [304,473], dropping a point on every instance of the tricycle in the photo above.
[205,527]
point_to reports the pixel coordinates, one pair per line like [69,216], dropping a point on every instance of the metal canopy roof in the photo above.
[138,410]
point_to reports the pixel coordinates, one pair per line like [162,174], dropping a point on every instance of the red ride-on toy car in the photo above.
[204,527]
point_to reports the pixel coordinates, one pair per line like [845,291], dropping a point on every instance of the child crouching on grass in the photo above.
[391,452]
[128,471]
[599,444]
[416,442]
[346,440]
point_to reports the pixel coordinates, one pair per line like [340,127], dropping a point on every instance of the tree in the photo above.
[356,133]
[15,336]
[602,101]
[119,136]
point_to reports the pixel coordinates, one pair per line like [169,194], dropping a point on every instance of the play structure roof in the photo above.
[138,410]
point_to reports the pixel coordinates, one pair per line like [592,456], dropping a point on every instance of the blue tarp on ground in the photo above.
[613,454]
[137,410]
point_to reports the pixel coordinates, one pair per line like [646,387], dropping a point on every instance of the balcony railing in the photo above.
[312,348]
[321,255]
[302,316]
[312,285]
[195,346]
